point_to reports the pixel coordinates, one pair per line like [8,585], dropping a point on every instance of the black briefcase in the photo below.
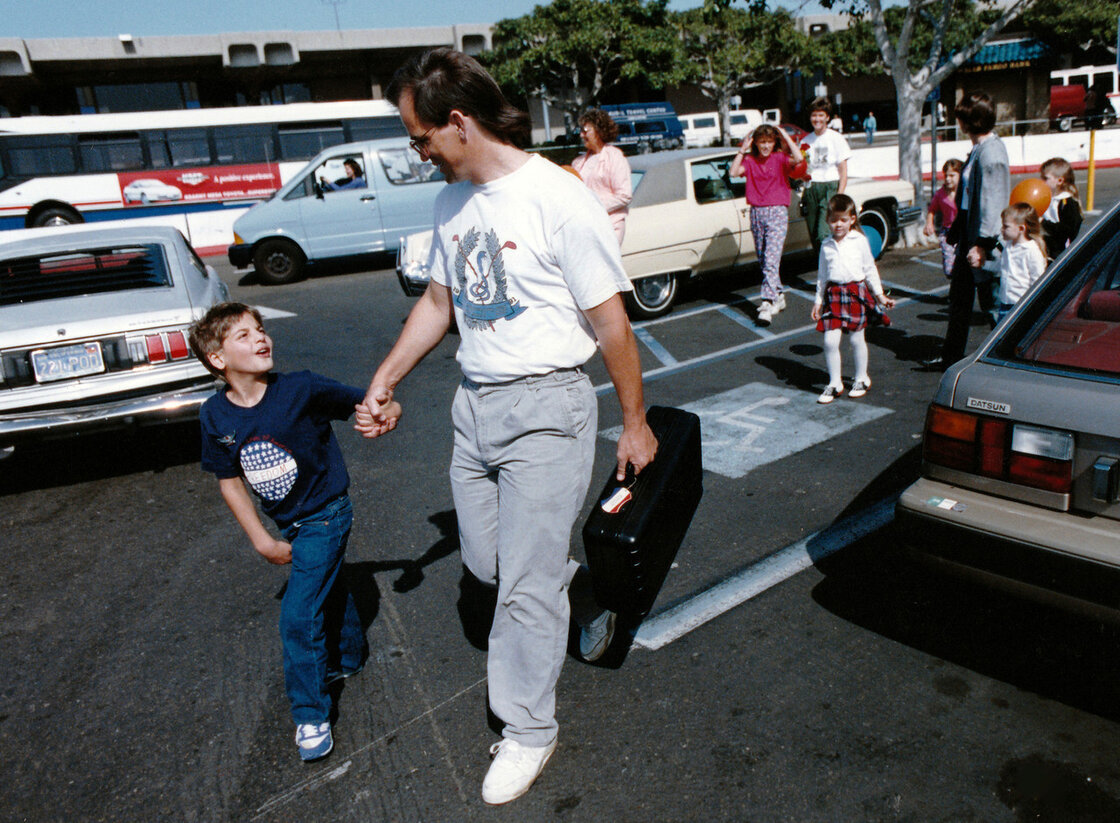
[636,527]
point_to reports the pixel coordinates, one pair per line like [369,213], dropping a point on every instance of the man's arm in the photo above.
[237,498]
[637,445]
[426,325]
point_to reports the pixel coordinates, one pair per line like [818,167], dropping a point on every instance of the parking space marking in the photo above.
[744,321]
[274,314]
[741,348]
[931,263]
[663,628]
[744,428]
[658,351]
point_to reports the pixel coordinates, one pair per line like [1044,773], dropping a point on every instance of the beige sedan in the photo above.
[689,217]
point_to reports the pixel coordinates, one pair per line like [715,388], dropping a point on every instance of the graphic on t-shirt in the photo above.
[482,283]
[269,469]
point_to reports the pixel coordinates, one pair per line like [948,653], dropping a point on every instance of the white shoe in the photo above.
[859,388]
[514,769]
[765,313]
[829,394]
[780,303]
[595,637]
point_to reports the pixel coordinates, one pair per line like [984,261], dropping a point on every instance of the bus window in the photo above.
[41,155]
[1104,81]
[110,152]
[178,147]
[371,128]
[244,144]
[300,141]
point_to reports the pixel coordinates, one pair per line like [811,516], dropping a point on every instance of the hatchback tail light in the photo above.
[991,447]
[160,347]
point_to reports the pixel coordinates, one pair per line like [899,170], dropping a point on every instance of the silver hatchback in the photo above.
[1021,454]
[93,330]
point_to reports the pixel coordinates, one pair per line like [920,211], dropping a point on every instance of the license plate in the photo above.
[67,361]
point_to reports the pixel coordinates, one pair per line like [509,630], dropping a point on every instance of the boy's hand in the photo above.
[378,414]
[276,552]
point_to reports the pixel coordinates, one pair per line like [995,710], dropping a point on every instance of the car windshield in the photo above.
[1073,320]
[87,271]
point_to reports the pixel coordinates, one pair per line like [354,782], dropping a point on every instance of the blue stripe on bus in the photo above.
[104,215]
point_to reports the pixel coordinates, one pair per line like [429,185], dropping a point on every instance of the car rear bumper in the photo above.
[1040,551]
[240,255]
[165,407]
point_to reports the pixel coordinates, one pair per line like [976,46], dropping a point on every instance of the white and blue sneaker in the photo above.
[595,637]
[314,740]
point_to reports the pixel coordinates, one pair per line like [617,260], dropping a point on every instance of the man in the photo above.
[869,126]
[525,260]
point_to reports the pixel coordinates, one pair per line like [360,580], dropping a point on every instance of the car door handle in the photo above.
[365,198]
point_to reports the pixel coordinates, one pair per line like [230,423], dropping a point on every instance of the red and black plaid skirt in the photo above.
[850,306]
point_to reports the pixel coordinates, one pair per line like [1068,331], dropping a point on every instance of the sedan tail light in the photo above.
[991,447]
[161,347]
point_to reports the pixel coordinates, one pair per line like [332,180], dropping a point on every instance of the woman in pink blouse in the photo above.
[604,168]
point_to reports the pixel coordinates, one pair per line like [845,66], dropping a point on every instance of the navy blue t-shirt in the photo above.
[284,446]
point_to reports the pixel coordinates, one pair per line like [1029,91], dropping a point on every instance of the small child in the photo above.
[942,212]
[1024,257]
[273,432]
[768,191]
[1062,220]
[848,292]
[828,155]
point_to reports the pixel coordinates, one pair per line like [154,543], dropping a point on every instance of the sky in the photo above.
[26,19]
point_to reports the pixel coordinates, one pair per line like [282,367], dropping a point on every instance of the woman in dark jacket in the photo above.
[981,197]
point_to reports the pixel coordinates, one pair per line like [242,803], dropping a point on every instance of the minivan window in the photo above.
[403,166]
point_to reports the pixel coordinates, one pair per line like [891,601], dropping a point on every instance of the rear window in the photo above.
[76,273]
[1073,320]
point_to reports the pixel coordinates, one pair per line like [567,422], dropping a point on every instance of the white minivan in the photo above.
[350,200]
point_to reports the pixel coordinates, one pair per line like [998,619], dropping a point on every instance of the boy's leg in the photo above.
[318,547]
[347,647]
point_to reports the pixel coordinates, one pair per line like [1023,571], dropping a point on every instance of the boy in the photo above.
[273,432]
[827,156]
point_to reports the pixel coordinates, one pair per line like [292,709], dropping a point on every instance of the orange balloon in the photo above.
[1034,192]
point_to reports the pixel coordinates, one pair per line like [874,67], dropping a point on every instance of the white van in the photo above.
[702,129]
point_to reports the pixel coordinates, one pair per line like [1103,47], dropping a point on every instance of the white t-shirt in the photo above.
[847,261]
[826,152]
[523,255]
[1019,266]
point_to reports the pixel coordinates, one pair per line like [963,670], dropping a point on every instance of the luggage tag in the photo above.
[617,500]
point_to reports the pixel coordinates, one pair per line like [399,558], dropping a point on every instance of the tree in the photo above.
[724,50]
[915,43]
[573,52]
[1086,28]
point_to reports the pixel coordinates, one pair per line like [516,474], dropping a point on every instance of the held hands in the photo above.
[637,446]
[884,301]
[976,257]
[378,414]
[276,552]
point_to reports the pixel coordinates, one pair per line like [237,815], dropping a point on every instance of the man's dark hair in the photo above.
[821,104]
[444,79]
[977,113]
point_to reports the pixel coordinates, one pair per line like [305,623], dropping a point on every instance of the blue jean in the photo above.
[519,473]
[319,622]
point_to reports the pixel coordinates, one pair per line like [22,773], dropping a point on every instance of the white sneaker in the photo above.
[860,387]
[765,313]
[780,303]
[595,637]
[514,769]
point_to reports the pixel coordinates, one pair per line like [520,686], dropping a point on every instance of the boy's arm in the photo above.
[237,498]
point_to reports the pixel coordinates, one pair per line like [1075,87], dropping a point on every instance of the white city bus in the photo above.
[195,169]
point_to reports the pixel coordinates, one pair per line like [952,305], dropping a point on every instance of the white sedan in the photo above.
[689,216]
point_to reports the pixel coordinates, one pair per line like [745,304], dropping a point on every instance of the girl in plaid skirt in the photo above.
[849,295]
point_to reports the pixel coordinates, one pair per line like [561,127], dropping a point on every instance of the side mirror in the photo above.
[316,188]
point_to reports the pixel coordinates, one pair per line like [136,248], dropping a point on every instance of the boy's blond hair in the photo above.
[207,333]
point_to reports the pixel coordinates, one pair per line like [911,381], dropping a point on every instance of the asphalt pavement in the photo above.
[796,666]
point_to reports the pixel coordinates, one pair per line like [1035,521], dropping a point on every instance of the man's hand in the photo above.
[637,446]
[378,414]
[276,552]
[976,256]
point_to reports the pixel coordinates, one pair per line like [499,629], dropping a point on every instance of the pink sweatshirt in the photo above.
[607,174]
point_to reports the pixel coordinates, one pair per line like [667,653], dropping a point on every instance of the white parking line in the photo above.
[674,623]
[744,321]
[658,351]
[274,314]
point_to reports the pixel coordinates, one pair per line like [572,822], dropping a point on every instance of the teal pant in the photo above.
[816,199]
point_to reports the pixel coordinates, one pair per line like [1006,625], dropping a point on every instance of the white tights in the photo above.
[832,356]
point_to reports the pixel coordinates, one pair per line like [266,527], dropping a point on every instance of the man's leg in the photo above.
[962,288]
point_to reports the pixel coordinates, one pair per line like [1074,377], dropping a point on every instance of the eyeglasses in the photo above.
[420,144]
